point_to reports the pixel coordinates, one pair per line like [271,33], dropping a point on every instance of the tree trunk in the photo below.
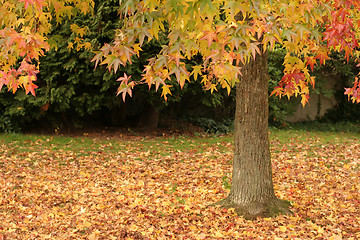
[118,114]
[149,118]
[252,193]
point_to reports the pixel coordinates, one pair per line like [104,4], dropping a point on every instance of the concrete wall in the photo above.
[318,103]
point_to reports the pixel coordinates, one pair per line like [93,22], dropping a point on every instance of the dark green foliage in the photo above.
[279,109]
[72,94]
[69,88]
[345,110]
[316,126]
[17,110]
[212,126]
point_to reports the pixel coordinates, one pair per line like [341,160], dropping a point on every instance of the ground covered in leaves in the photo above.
[131,186]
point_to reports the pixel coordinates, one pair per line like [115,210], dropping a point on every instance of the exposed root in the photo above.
[271,208]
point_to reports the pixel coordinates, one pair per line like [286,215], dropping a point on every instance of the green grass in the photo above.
[286,135]
[318,133]
[25,141]
[83,145]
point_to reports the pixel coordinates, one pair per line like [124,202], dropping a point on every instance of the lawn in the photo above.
[133,186]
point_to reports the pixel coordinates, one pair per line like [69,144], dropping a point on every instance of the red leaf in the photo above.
[322,56]
[30,87]
[311,61]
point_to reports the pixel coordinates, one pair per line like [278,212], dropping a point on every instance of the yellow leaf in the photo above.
[187,208]
[133,227]
[192,227]
[60,214]
[154,31]
[204,80]
[331,218]
[94,235]
[151,229]
[291,226]
[100,206]
[70,45]
[87,46]
[320,230]
[196,71]
[336,237]
[166,91]
[23,79]
[137,48]
[87,224]
[85,174]
[74,27]
[218,234]
[283,228]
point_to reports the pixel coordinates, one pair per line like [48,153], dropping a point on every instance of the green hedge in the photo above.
[72,94]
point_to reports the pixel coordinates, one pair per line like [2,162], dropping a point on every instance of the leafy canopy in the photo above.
[24,27]
[227,33]
[224,33]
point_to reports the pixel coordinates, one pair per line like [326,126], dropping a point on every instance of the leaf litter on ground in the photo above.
[141,187]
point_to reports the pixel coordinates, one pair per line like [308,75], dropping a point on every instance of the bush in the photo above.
[345,110]
[212,126]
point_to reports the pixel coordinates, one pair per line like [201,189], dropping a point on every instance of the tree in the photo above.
[231,37]
[252,193]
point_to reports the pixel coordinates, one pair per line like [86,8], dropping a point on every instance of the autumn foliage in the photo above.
[224,33]
[24,29]
[122,186]
[227,33]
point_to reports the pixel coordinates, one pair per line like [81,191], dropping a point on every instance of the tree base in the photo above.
[271,208]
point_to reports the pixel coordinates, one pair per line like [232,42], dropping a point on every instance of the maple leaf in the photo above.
[97,58]
[277,91]
[210,37]
[312,81]
[125,86]
[311,61]
[354,92]
[211,87]
[181,211]
[322,56]
[165,91]
[196,71]
[179,72]
[137,49]
[30,87]
[288,34]
[177,57]
[106,49]
[27,3]
[125,79]
[304,99]
[112,61]
[253,48]
[78,30]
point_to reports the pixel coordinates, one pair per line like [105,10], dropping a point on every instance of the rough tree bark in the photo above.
[252,193]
